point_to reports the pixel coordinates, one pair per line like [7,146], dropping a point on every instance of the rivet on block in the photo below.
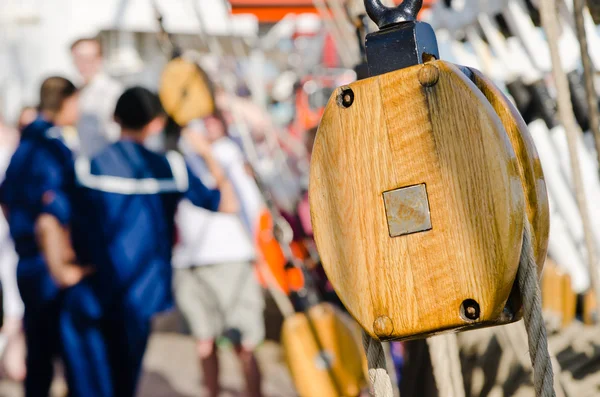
[429,75]
[383,327]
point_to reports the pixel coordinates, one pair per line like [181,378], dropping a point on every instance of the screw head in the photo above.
[470,310]
[346,97]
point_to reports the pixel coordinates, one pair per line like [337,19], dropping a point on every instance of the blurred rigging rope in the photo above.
[228,84]
[588,72]
[342,47]
[445,360]
[543,377]
[244,133]
[513,338]
[550,24]
[343,24]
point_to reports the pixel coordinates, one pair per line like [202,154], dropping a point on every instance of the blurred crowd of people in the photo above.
[103,231]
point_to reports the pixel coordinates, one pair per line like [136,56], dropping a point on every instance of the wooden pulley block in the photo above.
[185,91]
[323,353]
[422,177]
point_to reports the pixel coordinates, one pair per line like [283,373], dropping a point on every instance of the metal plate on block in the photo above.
[407,210]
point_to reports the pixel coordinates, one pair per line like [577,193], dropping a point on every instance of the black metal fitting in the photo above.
[400,46]
[402,41]
[384,16]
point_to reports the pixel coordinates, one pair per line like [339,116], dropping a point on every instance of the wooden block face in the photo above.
[441,135]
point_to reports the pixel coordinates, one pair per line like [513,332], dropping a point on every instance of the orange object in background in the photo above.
[426,5]
[314,92]
[311,97]
[288,279]
[270,11]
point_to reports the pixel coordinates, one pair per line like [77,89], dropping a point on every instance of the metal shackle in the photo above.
[384,16]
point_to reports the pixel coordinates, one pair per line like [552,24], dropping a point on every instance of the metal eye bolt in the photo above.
[384,16]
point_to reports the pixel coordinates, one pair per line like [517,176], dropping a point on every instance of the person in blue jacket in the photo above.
[36,189]
[125,206]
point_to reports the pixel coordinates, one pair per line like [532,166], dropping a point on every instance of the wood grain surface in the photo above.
[185,92]
[345,375]
[427,124]
[559,301]
[530,166]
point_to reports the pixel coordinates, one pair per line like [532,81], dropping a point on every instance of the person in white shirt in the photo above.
[13,349]
[214,282]
[98,97]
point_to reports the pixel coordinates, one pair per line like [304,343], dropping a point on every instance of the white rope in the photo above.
[579,9]
[381,384]
[543,377]
[343,50]
[445,361]
[565,108]
[389,361]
